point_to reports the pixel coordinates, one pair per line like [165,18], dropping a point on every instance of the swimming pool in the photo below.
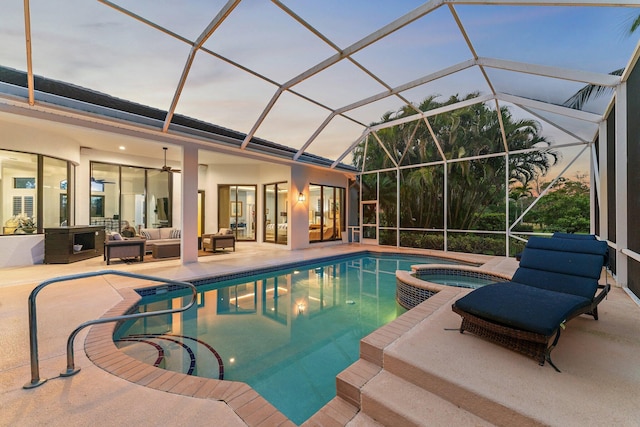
[287,333]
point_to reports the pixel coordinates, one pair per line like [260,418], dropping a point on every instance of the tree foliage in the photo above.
[473,185]
[565,208]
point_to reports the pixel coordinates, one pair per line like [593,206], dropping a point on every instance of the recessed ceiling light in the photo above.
[122,147]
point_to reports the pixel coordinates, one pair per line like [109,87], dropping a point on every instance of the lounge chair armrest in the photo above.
[602,294]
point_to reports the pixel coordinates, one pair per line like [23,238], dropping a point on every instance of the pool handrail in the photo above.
[71,369]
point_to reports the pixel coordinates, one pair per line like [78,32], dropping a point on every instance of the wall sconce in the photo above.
[301,197]
[301,308]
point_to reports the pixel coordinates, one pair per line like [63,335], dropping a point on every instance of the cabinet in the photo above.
[62,244]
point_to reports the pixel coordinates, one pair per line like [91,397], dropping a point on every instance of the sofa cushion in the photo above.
[522,307]
[224,231]
[165,233]
[150,233]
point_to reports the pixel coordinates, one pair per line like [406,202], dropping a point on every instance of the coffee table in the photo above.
[166,250]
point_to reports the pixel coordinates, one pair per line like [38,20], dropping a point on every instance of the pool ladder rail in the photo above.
[71,369]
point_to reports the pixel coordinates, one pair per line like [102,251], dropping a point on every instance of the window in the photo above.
[24,183]
[32,186]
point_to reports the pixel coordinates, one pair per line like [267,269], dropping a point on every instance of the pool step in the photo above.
[392,401]
[394,387]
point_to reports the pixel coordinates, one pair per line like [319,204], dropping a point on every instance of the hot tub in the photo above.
[424,281]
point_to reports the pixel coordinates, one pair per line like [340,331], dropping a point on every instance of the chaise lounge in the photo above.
[557,280]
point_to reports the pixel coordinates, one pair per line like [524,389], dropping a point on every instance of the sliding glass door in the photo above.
[237,210]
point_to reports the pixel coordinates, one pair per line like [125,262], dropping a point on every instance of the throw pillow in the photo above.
[145,234]
[116,236]
[175,234]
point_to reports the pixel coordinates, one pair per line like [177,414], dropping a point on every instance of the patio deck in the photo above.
[459,379]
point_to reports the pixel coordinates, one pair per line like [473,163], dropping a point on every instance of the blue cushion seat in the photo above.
[522,307]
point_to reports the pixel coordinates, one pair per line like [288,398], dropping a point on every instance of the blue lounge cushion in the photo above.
[583,246]
[571,263]
[522,307]
[574,236]
[576,285]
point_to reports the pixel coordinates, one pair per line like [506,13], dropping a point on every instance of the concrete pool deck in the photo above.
[600,360]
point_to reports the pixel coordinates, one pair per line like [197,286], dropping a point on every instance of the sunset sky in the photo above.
[92,45]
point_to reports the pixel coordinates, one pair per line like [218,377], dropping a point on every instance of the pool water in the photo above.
[287,334]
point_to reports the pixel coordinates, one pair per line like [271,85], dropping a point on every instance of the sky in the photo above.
[90,44]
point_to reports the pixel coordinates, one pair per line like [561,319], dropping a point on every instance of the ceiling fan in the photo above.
[166,168]
[101,181]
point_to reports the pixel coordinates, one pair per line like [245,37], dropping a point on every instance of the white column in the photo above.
[603,171]
[189,203]
[621,184]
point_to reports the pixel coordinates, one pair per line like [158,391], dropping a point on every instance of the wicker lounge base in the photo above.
[530,344]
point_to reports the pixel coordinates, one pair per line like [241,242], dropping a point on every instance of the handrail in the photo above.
[71,370]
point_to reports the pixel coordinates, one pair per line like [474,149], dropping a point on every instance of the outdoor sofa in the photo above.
[159,235]
[557,280]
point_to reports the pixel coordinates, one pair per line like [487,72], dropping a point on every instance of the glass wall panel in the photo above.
[275,212]
[237,210]
[19,191]
[387,200]
[247,196]
[476,194]
[104,203]
[326,213]
[158,203]
[132,200]
[125,199]
[354,202]
[283,212]
[422,239]
[54,193]
[369,186]
[422,197]
[315,205]
[388,237]
[472,243]
[565,207]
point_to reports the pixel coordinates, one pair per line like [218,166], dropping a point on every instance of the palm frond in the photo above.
[590,91]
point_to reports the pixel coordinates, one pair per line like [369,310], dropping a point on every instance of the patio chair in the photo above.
[557,280]
[223,239]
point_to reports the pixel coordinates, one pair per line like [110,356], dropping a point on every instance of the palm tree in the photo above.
[591,91]
[473,185]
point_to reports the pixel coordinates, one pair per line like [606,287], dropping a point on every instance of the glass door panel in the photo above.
[54,193]
[237,210]
[104,204]
[276,212]
[132,198]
